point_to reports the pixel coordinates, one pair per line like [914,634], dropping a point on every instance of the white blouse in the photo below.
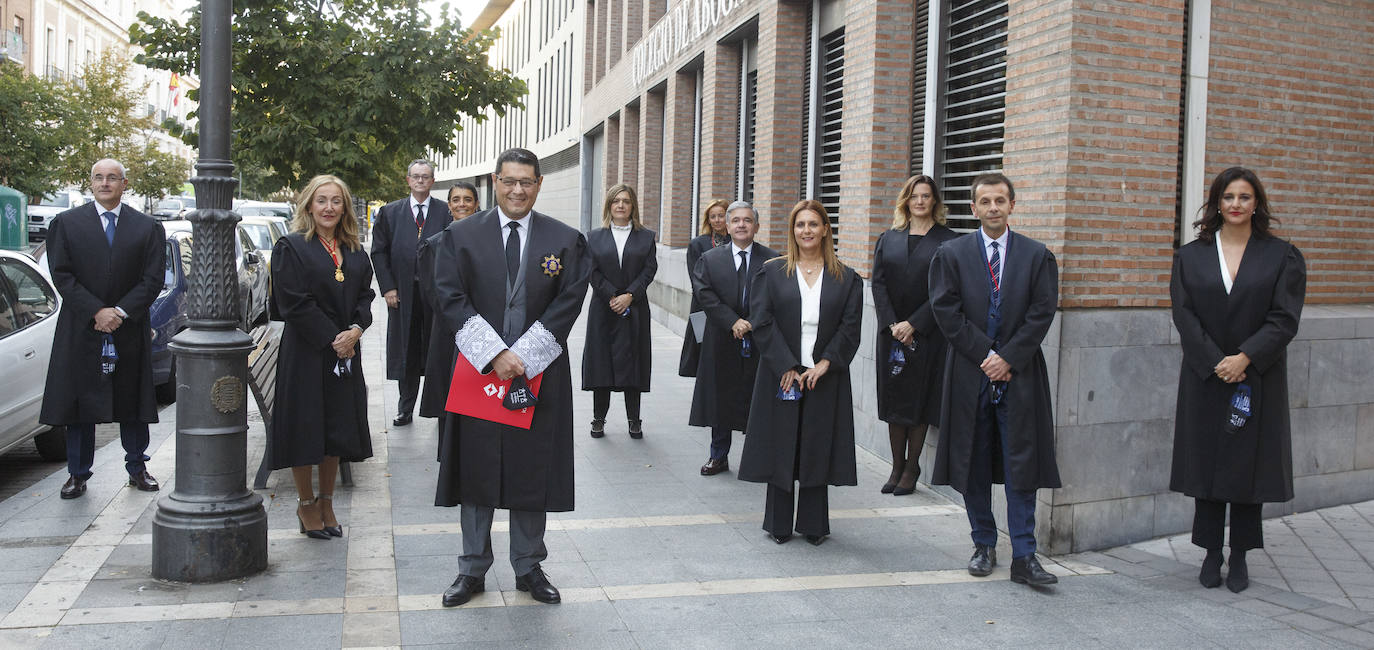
[621,234]
[810,315]
[1225,272]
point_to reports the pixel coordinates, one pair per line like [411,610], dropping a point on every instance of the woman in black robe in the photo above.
[806,308]
[910,353]
[462,202]
[619,351]
[322,289]
[1237,294]
[713,234]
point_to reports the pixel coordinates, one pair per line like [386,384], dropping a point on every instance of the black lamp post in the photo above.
[211,526]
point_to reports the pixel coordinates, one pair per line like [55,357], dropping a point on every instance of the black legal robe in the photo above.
[318,413]
[960,287]
[488,464]
[90,274]
[619,349]
[824,417]
[901,291]
[725,379]
[1259,317]
[395,242]
[690,357]
[440,350]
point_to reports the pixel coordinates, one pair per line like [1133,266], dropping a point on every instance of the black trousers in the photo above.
[812,511]
[1209,525]
[409,384]
[601,403]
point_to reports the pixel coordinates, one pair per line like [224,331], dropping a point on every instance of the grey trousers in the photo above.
[527,548]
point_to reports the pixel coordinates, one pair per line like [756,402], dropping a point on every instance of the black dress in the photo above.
[1259,317]
[901,266]
[691,349]
[317,412]
[810,441]
[619,349]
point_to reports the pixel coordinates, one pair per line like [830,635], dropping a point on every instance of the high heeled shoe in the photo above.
[336,530]
[312,534]
[904,487]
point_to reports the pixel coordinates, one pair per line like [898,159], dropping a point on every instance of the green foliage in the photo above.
[35,138]
[355,88]
[103,107]
[153,172]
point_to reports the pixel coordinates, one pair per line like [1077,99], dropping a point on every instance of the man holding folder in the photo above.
[510,282]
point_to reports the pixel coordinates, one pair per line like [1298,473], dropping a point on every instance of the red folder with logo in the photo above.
[476,395]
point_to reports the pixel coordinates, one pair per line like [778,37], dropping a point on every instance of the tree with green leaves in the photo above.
[35,112]
[153,172]
[356,88]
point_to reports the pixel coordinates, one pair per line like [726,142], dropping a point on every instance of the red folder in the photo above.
[476,395]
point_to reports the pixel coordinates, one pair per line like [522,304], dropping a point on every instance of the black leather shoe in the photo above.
[143,481]
[1027,571]
[1238,575]
[1210,576]
[73,488]
[462,590]
[715,466]
[598,428]
[815,540]
[636,429]
[538,585]
[779,539]
[402,420]
[984,558]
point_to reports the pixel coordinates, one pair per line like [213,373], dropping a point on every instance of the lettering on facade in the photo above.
[679,28]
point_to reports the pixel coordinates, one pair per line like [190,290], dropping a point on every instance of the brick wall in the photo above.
[629,146]
[720,122]
[877,122]
[591,46]
[1291,95]
[777,168]
[615,31]
[1092,133]
[651,160]
[679,115]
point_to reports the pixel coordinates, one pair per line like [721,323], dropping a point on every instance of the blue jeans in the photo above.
[991,421]
[81,447]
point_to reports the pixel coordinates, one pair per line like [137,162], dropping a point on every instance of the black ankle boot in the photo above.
[598,428]
[1238,576]
[1210,577]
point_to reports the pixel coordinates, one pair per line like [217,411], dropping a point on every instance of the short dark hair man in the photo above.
[725,373]
[510,282]
[401,226]
[107,260]
[994,294]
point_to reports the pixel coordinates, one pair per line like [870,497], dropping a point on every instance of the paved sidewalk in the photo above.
[654,556]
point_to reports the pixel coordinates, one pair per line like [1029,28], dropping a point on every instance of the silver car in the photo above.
[28,321]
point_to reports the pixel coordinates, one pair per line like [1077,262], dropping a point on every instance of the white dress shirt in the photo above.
[735,250]
[415,207]
[1001,250]
[810,314]
[105,221]
[621,235]
[523,230]
[1226,280]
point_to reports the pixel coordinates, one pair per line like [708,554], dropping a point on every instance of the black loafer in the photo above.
[538,585]
[779,539]
[401,420]
[1027,571]
[73,488]
[143,481]
[984,558]
[815,540]
[463,589]
[715,466]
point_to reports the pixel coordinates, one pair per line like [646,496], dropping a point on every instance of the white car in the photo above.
[28,321]
[51,205]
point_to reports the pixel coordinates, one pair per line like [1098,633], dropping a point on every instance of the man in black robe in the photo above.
[107,261]
[510,282]
[725,374]
[994,294]
[401,226]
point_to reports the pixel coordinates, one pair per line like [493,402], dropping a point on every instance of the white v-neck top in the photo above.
[810,314]
[1225,272]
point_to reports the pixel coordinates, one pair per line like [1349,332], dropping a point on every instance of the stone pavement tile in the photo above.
[1306,575]
[60,526]
[748,609]
[1130,554]
[1306,621]
[1348,565]
[371,630]
[301,631]
[722,637]
[124,592]
[1296,562]
[1260,607]
[1354,636]
[290,585]
[687,614]
[820,634]
[1343,615]
[1277,640]
[470,626]
[202,633]
[1363,604]
[425,574]
[1297,602]
[425,514]
[442,544]
[109,635]
[26,564]
[1317,588]
[616,543]
[300,553]
[571,639]
[1208,618]
[11,595]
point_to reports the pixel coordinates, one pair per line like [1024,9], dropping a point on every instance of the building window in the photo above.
[830,127]
[918,87]
[972,108]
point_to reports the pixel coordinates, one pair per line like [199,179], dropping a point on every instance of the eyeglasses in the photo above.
[421,177]
[101,178]
[510,183]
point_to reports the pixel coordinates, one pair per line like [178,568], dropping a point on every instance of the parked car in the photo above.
[253,279]
[173,207]
[265,231]
[28,321]
[167,316]
[51,205]
[262,209]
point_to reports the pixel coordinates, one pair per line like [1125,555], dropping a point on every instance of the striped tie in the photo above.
[995,270]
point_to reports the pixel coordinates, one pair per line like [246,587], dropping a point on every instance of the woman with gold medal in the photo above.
[322,289]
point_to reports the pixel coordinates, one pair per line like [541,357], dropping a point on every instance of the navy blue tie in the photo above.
[109,227]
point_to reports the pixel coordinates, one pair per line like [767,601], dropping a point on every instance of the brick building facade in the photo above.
[1110,116]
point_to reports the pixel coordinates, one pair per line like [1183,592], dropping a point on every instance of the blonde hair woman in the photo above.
[713,233]
[322,289]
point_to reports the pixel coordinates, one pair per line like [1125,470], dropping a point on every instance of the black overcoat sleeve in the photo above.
[1268,343]
[717,311]
[75,296]
[882,302]
[947,303]
[295,302]
[1201,354]
[844,344]
[139,298]
[1021,348]
[381,251]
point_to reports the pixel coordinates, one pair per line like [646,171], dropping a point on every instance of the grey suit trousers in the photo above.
[527,548]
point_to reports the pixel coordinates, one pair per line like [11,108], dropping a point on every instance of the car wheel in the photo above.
[167,393]
[52,444]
